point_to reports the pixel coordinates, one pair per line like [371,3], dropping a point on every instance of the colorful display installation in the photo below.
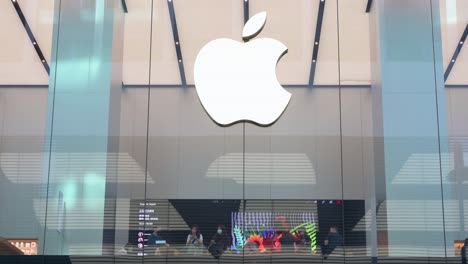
[311,232]
[257,229]
[238,237]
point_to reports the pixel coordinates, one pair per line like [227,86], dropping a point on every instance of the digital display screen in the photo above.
[27,246]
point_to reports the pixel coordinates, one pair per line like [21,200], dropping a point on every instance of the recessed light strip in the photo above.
[124,6]
[246,11]
[31,35]
[456,53]
[175,34]
[369,6]
[318,31]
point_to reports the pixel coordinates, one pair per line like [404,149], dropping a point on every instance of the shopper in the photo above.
[219,242]
[155,238]
[332,240]
[157,243]
[301,240]
[194,242]
[463,252]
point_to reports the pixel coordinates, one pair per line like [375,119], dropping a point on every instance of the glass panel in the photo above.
[195,166]
[296,162]
[453,26]
[117,160]
[390,118]
[23,111]
[201,21]
[130,181]
[297,33]
[98,131]
[356,131]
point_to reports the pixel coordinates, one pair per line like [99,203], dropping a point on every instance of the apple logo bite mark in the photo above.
[237,81]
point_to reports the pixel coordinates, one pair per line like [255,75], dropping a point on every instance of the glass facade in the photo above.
[107,154]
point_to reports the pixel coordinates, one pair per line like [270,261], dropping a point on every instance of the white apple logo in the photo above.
[237,81]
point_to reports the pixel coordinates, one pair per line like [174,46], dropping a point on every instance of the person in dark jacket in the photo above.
[219,242]
[155,238]
[332,240]
[463,252]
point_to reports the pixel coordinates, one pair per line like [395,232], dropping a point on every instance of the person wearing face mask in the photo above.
[219,242]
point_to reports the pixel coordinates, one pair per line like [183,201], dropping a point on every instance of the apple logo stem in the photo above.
[237,81]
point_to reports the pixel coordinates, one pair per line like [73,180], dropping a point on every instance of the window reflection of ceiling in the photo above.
[27,168]
[413,215]
[264,168]
[292,22]
[423,168]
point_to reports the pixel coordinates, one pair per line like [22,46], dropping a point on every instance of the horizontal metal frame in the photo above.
[126,86]
[24,86]
[456,86]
